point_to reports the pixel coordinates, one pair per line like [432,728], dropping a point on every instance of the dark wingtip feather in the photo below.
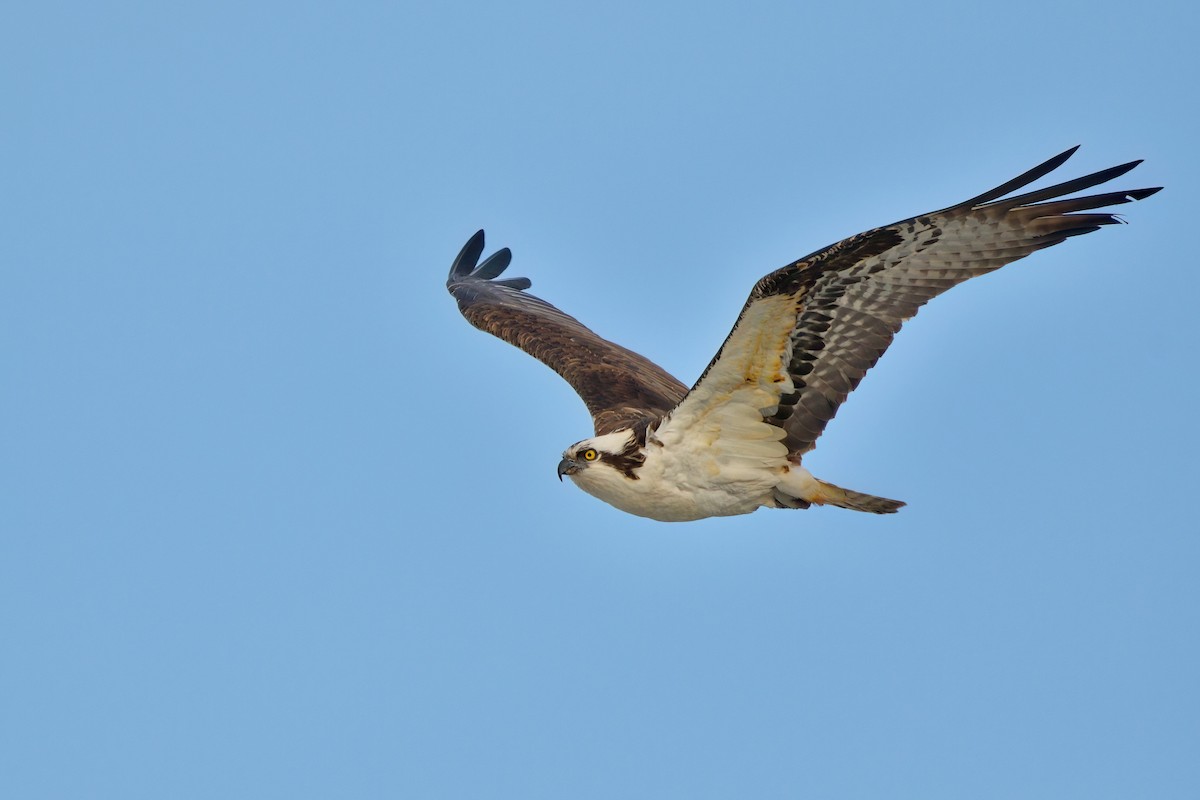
[1058,160]
[1106,175]
[1082,229]
[466,266]
[494,264]
[1076,185]
[1024,179]
[468,257]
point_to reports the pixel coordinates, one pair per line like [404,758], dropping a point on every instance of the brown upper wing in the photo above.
[618,386]
[811,330]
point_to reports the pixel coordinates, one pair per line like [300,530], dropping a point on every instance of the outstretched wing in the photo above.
[811,330]
[618,386]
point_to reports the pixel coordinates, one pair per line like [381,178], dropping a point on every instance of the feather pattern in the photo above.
[810,330]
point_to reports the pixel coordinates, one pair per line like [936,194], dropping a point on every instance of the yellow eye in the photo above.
[590,455]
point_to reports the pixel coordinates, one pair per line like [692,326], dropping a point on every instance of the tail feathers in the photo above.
[819,492]
[856,501]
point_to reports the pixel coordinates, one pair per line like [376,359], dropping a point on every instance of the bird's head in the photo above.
[602,457]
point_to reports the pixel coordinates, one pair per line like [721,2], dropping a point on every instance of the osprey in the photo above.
[808,333]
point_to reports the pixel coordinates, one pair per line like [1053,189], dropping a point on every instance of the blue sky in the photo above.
[278,523]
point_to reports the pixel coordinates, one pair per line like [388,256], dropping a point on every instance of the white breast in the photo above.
[685,479]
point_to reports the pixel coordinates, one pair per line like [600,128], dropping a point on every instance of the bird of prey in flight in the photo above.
[736,440]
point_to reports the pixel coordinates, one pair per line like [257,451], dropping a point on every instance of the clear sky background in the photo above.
[277,523]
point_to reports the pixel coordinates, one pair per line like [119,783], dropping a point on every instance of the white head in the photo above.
[602,459]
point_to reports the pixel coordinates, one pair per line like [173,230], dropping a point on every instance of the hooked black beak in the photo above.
[567,467]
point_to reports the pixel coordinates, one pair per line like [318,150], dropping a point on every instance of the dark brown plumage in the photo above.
[618,386]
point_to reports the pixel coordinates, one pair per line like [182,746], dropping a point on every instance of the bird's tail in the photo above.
[856,501]
[801,489]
